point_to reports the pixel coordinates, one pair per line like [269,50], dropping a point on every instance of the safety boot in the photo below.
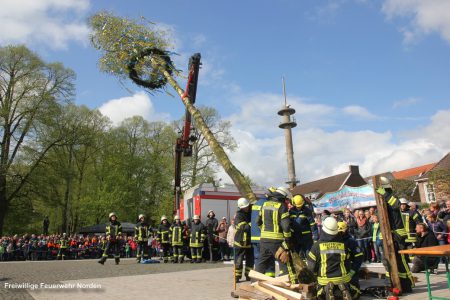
[175,260]
[346,295]
[181,259]
[117,260]
[102,260]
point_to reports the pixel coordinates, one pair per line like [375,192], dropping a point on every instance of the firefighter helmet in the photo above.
[243,203]
[177,217]
[196,217]
[330,226]
[284,191]
[403,201]
[163,218]
[112,214]
[298,201]
[141,216]
[342,226]
[385,182]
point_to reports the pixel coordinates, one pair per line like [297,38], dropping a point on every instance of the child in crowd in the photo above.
[377,239]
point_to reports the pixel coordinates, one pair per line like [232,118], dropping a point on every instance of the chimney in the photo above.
[354,169]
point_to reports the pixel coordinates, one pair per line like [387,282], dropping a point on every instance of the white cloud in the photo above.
[138,104]
[50,22]
[405,102]
[359,112]
[423,17]
[321,152]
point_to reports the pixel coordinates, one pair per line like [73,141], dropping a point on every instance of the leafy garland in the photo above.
[157,80]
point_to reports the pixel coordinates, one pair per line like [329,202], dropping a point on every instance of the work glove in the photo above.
[381,191]
[282,255]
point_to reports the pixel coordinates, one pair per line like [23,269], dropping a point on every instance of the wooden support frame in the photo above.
[386,231]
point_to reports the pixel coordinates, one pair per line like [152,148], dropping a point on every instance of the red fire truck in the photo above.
[204,197]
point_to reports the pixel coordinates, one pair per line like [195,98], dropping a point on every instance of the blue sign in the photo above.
[347,197]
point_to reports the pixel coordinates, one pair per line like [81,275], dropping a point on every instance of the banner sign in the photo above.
[351,197]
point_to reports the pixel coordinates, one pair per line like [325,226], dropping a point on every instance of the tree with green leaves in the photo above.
[141,51]
[30,90]
[406,189]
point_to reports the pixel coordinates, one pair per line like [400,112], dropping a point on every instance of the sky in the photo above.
[369,79]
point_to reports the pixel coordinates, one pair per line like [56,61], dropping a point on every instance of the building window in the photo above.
[429,192]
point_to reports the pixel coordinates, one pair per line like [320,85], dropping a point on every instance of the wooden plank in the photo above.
[269,292]
[436,251]
[290,295]
[388,243]
[259,276]
[249,292]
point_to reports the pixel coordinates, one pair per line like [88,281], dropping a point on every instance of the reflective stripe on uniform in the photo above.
[392,200]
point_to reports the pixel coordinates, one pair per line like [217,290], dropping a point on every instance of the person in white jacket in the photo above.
[230,236]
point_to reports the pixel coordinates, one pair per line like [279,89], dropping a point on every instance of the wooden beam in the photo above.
[249,292]
[386,231]
[269,292]
[260,276]
[290,295]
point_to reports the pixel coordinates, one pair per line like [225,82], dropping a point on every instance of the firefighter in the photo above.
[176,231]
[303,225]
[63,245]
[273,218]
[164,238]
[409,222]
[113,233]
[329,259]
[256,233]
[141,234]
[198,231]
[356,257]
[211,225]
[399,234]
[242,240]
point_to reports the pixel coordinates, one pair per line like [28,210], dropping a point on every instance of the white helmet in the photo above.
[330,226]
[403,201]
[385,182]
[243,203]
[284,191]
[141,216]
[112,214]
[196,217]
[177,217]
[163,218]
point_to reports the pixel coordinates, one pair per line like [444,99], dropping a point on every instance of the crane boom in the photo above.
[184,142]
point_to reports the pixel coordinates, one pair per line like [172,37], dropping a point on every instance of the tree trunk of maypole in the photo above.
[238,179]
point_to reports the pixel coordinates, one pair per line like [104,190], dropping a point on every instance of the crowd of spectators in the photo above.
[361,226]
[45,247]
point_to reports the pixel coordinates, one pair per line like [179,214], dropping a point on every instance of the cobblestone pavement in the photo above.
[57,271]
